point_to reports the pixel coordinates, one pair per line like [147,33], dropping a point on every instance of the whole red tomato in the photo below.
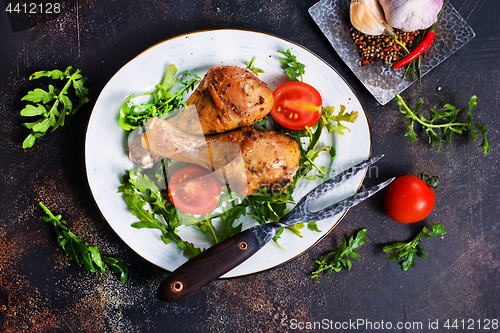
[409,199]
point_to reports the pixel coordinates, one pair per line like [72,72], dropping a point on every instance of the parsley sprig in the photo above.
[407,252]
[81,252]
[340,260]
[54,105]
[443,124]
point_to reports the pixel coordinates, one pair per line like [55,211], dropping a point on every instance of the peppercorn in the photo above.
[381,47]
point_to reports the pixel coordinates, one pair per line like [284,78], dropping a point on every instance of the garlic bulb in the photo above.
[411,15]
[367,16]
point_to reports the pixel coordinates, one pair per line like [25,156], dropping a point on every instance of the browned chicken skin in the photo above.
[228,97]
[245,159]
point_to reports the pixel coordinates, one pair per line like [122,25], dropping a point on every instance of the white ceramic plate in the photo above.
[106,160]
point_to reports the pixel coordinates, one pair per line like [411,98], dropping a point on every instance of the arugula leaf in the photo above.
[278,236]
[208,228]
[80,251]
[163,100]
[293,68]
[310,153]
[190,250]
[295,228]
[268,207]
[313,226]
[138,190]
[442,124]
[407,252]
[228,218]
[333,122]
[53,105]
[346,249]
[143,184]
[117,265]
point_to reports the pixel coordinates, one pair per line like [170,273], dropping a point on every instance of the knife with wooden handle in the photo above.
[208,266]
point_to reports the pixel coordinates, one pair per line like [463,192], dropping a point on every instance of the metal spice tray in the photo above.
[332,17]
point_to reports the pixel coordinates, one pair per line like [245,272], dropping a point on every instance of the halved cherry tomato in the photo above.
[194,190]
[409,199]
[296,105]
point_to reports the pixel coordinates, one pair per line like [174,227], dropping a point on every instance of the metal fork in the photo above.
[224,256]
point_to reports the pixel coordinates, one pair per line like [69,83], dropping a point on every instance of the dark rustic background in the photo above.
[41,291]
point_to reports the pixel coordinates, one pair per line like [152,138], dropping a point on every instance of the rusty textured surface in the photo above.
[41,291]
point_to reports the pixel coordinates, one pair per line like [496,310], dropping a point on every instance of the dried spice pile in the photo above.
[382,47]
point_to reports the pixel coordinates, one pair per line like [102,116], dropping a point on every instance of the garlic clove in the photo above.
[411,15]
[367,16]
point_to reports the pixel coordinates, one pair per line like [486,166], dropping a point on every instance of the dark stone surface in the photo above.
[41,291]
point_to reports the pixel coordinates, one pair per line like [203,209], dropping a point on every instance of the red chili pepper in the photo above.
[419,50]
[423,46]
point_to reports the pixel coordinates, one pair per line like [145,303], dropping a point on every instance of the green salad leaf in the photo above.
[408,251]
[346,249]
[441,126]
[53,105]
[81,252]
[252,67]
[162,101]
[293,68]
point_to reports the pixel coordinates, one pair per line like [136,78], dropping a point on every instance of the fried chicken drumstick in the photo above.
[228,97]
[245,159]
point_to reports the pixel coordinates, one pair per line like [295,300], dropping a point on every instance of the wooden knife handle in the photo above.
[208,266]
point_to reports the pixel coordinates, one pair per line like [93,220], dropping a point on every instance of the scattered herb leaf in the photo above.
[81,252]
[54,105]
[294,69]
[333,122]
[228,218]
[313,226]
[439,132]
[295,228]
[346,249]
[252,67]
[407,252]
